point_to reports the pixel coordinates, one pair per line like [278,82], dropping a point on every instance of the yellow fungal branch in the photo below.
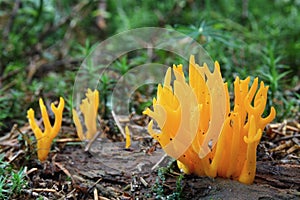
[44,139]
[198,128]
[89,109]
[128,139]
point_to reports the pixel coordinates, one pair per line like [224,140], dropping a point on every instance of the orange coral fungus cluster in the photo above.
[89,109]
[198,129]
[44,139]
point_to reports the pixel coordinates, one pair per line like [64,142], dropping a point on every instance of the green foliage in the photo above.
[33,33]
[275,75]
[18,181]
[9,106]
[30,20]
[105,87]
[132,14]
[11,182]
[240,36]
[121,65]
[244,44]
[270,71]
[257,39]
[158,188]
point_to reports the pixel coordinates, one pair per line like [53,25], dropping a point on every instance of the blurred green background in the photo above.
[43,43]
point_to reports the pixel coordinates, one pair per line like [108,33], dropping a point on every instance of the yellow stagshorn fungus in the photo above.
[44,139]
[127,138]
[198,129]
[89,109]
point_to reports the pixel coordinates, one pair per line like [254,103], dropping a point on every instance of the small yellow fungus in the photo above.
[89,109]
[198,128]
[44,139]
[128,139]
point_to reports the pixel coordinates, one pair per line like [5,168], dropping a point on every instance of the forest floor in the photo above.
[104,169]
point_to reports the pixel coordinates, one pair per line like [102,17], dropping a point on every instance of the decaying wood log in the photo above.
[274,180]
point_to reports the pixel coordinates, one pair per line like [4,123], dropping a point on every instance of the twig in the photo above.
[60,166]
[69,195]
[287,137]
[96,194]
[293,148]
[43,190]
[291,128]
[103,198]
[15,156]
[37,190]
[65,140]
[8,85]
[10,74]
[118,123]
[91,187]
[282,146]
[31,170]
[144,182]
[88,146]
[39,69]
[9,136]
[158,163]
[100,179]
